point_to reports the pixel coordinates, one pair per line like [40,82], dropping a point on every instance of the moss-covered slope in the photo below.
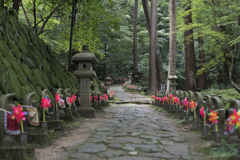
[27,64]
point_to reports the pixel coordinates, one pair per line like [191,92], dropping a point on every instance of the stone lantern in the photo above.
[108,81]
[172,83]
[130,77]
[85,60]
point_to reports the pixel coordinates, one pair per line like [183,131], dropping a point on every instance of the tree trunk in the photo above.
[16,4]
[189,53]
[172,43]
[152,55]
[135,57]
[160,70]
[202,77]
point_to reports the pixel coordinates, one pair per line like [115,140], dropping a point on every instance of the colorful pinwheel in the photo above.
[57,99]
[74,97]
[18,114]
[193,105]
[175,100]
[69,101]
[170,96]
[153,97]
[203,114]
[235,118]
[213,117]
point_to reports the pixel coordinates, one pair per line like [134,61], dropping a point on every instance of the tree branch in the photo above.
[26,15]
[48,17]
[230,74]
[34,14]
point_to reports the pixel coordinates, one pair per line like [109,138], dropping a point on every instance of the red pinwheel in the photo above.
[202,112]
[91,98]
[170,96]
[159,98]
[153,97]
[156,98]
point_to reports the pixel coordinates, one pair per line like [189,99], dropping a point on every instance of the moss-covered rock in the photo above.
[27,64]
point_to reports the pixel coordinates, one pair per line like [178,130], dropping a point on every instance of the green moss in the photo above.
[38,78]
[14,49]
[13,83]
[46,66]
[25,32]
[2,15]
[22,45]
[46,79]
[3,86]
[25,90]
[5,50]
[28,72]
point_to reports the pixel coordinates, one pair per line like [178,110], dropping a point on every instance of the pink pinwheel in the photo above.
[74,97]
[185,101]
[91,98]
[18,114]
[45,103]
[105,97]
[156,98]
[153,97]
[96,98]
[57,97]
[69,100]
[101,98]
[164,98]
[159,98]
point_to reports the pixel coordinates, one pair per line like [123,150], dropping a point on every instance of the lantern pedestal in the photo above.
[87,112]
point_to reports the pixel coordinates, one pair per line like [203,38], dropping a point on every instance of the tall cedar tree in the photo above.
[172,43]
[135,57]
[152,56]
[160,70]
[189,51]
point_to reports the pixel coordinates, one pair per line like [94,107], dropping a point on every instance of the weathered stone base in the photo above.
[19,153]
[55,125]
[76,114]
[66,118]
[87,112]
[39,138]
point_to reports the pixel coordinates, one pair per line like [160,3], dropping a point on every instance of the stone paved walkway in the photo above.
[135,132]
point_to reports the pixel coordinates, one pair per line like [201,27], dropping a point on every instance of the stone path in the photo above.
[135,132]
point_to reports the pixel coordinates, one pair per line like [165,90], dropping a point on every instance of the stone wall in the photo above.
[27,64]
